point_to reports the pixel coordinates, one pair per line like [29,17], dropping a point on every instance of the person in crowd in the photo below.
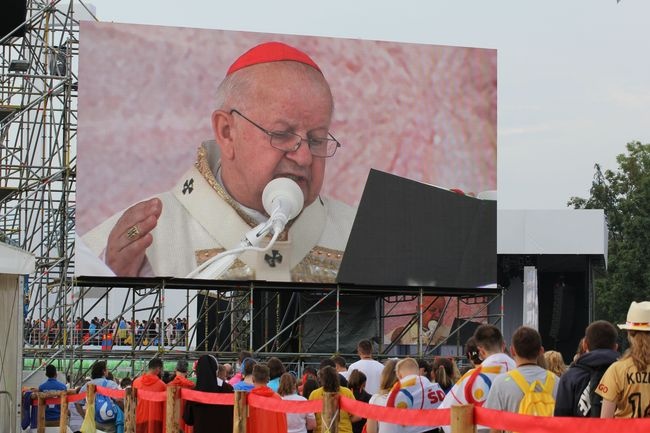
[150,415]
[368,366]
[126,382]
[53,411]
[471,352]
[414,391]
[387,380]
[576,395]
[229,370]
[554,362]
[309,386]
[180,379]
[307,373]
[276,369]
[329,380]
[272,119]
[296,422]
[261,420]
[341,366]
[425,369]
[222,372]
[508,389]
[240,359]
[246,384]
[107,415]
[625,386]
[580,350]
[445,373]
[329,362]
[122,331]
[169,331]
[208,418]
[357,384]
[474,386]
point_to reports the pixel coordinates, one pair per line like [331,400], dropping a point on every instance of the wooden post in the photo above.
[90,399]
[40,423]
[240,412]
[330,415]
[129,410]
[172,410]
[63,421]
[462,419]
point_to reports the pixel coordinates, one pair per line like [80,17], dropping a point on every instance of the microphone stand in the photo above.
[217,265]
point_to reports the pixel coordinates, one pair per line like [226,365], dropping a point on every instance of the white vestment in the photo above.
[199,220]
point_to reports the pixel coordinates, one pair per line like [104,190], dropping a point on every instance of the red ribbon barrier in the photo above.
[285,406]
[540,424]
[227,399]
[423,417]
[152,395]
[57,400]
[112,393]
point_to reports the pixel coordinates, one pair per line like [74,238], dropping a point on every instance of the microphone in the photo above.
[283,200]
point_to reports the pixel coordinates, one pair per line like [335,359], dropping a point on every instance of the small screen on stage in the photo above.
[409,234]
[180,131]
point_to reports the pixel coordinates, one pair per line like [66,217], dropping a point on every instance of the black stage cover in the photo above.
[407,233]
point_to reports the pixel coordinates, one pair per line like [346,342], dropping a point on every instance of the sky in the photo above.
[573,76]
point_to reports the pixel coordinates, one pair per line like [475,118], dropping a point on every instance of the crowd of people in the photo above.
[599,382]
[172,332]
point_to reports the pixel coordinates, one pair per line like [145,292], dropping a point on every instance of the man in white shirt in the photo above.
[368,366]
[474,386]
[413,391]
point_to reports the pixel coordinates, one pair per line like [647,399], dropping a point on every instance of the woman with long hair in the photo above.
[207,417]
[625,387]
[296,422]
[386,382]
[357,384]
[445,373]
[276,369]
[329,380]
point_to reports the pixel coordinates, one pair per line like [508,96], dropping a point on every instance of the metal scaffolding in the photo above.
[38,90]
[38,143]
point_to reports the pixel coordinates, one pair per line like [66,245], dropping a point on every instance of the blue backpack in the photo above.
[105,410]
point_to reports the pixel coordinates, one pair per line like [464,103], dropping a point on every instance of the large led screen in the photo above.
[160,190]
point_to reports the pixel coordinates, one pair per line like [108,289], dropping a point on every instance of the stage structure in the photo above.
[38,90]
[38,144]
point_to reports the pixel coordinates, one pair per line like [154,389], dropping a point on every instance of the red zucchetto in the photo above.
[271,52]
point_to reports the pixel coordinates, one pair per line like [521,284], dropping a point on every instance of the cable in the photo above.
[215,266]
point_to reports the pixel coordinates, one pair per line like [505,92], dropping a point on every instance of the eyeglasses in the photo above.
[290,142]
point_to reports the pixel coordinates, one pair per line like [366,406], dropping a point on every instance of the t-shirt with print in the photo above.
[628,387]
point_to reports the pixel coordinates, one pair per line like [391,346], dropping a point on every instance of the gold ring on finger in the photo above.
[132,232]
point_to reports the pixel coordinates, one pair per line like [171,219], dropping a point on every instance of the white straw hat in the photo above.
[638,317]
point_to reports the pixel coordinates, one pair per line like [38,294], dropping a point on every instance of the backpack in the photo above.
[105,410]
[589,403]
[534,402]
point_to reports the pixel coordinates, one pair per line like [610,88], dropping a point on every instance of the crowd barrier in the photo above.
[463,419]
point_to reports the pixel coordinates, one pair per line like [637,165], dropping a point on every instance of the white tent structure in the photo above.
[547,259]
[15,265]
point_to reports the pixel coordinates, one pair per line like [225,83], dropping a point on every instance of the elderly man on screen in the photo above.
[274,109]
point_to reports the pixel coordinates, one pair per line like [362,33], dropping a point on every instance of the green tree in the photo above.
[624,194]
